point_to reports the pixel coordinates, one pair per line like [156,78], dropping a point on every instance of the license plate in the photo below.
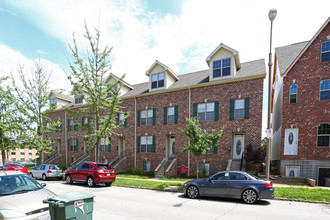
[108,174]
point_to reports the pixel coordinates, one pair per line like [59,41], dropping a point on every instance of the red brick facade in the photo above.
[309,110]
[223,93]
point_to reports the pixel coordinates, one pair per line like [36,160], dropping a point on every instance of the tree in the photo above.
[200,142]
[12,124]
[32,101]
[88,77]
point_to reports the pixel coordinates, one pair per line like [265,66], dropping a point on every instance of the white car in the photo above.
[46,171]
[21,197]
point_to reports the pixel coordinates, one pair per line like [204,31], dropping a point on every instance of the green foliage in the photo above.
[88,76]
[135,171]
[200,142]
[145,183]
[12,123]
[63,166]
[32,94]
[303,193]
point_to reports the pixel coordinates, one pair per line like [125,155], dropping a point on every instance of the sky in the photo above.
[178,33]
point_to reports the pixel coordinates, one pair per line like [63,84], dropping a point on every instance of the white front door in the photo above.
[170,145]
[238,146]
[291,141]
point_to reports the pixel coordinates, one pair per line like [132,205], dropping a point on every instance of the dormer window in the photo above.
[157,80]
[221,68]
[78,98]
[52,102]
[325,51]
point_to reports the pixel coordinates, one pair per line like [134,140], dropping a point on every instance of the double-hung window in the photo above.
[52,102]
[157,80]
[71,125]
[147,117]
[325,90]
[170,115]
[239,108]
[293,93]
[78,98]
[146,144]
[323,135]
[325,51]
[221,68]
[105,145]
[73,144]
[206,111]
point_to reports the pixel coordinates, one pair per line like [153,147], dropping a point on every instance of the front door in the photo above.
[170,146]
[238,146]
[121,147]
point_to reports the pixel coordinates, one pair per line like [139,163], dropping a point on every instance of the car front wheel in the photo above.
[249,196]
[192,192]
[68,179]
[90,181]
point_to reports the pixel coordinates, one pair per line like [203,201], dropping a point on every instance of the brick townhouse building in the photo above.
[301,109]
[226,96]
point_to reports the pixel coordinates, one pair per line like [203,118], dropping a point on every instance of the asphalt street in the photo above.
[128,203]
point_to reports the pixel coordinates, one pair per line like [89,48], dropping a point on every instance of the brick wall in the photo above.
[309,111]
[250,127]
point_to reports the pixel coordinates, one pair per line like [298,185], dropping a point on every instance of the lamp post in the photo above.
[271,15]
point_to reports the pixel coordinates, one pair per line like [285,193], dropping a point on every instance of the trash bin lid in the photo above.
[68,197]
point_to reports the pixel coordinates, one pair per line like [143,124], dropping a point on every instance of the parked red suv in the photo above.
[16,167]
[92,173]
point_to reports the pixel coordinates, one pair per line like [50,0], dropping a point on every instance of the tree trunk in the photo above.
[197,171]
[3,155]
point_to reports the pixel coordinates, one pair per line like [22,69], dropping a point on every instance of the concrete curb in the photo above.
[179,191]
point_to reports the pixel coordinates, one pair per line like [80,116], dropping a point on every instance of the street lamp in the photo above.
[271,15]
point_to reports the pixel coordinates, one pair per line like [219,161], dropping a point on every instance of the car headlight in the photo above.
[8,213]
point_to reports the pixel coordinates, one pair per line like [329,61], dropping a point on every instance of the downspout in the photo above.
[135,118]
[189,106]
[66,138]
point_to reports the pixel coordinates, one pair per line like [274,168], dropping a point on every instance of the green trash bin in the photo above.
[71,206]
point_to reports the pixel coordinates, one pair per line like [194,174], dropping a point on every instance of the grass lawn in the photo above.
[145,183]
[303,193]
[132,176]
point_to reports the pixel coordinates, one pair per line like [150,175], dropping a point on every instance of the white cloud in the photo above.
[182,42]
[10,61]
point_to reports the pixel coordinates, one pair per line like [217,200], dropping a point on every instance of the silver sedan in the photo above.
[46,171]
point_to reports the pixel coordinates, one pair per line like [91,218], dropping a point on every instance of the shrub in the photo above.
[135,171]
[63,166]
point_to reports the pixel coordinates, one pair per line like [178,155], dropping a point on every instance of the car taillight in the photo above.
[269,184]
[100,171]
[49,171]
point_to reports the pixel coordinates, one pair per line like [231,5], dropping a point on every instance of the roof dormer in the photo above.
[125,86]
[160,76]
[223,62]
[59,98]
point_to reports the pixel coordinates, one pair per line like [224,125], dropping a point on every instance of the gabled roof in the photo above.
[117,78]
[164,66]
[61,96]
[249,70]
[307,46]
[234,52]
[285,55]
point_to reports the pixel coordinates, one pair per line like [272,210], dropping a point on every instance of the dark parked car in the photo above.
[231,184]
[16,167]
[91,173]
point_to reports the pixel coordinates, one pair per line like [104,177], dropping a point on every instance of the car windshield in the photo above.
[11,184]
[16,165]
[101,166]
[54,167]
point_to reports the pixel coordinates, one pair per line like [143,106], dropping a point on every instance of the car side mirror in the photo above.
[43,185]
[210,180]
